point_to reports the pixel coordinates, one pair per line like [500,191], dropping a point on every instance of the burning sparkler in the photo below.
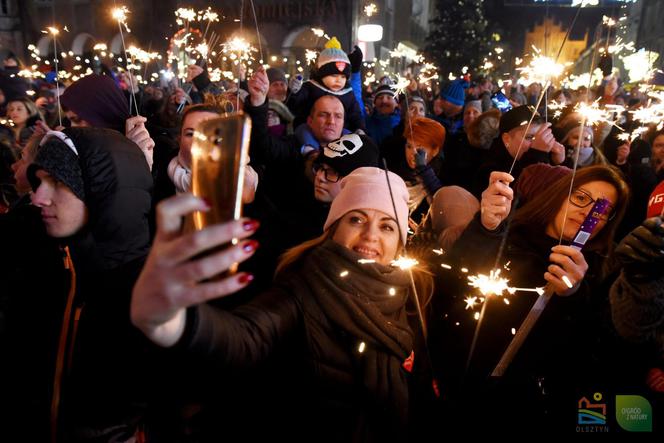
[404,263]
[370,9]
[120,15]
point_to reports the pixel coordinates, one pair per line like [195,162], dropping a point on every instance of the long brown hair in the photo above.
[542,209]
[422,278]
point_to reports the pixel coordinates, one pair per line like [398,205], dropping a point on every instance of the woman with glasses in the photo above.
[566,343]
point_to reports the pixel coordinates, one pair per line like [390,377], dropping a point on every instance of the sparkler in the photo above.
[54,32]
[120,15]
[639,65]
[404,263]
[370,9]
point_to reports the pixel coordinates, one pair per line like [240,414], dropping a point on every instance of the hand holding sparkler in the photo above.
[567,270]
[258,87]
[193,71]
[135,131]
[623,153]
[496,200]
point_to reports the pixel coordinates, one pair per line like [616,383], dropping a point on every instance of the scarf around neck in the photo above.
[357,298]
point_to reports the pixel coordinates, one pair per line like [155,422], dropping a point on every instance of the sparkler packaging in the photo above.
[600,208]
[220,152]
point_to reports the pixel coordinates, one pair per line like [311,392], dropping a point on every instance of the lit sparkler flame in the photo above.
[639,65]
[490,284]
[120,15]
[370,9]
[187,14]
[404,263]
[210,15]
[541,69]
[401,85]
[593,114]
[310,55]
[318,32]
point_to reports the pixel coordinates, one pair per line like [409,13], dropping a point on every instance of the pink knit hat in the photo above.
[366,188]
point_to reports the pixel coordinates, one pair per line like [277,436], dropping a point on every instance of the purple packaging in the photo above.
[600,208]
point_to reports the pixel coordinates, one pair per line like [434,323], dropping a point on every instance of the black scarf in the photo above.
[360,303]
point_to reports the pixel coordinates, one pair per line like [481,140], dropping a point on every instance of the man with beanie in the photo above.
[385,116]
[332,77]
[96,101]
[338,159]
[453,97]
[278,84]
[514,146]
[92,187]
[279,118]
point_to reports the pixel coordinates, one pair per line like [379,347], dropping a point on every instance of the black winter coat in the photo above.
[325,396]
[572,349]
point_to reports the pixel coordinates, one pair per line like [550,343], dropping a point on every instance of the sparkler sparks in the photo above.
[593,115]
[490,284]
[310,56]
[470,302]
[541,69]
[401,85]
[120,15]
[404,263]
[370,9]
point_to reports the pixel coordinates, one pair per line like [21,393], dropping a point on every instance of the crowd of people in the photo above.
[121,323]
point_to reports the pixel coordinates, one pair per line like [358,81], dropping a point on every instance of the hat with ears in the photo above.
[349,152]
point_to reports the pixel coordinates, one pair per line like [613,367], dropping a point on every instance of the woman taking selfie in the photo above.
[359,364]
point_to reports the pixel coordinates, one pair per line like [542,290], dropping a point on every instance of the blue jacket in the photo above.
[379,127]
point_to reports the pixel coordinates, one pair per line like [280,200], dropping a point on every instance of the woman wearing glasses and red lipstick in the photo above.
[564,346]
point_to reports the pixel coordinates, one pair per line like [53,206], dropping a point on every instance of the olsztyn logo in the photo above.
[592,413]
[634,413]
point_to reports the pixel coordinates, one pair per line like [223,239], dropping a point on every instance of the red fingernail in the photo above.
[250,246]
[245,278]
[207,202]
[251,225]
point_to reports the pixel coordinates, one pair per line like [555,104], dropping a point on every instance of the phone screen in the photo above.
[501,102]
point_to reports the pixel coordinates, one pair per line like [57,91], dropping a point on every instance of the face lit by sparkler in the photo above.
[370,233]
[583,195]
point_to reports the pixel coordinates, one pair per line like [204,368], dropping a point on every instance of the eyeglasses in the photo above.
[330,174]
[581,199]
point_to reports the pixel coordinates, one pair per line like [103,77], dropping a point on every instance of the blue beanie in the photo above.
[455,92]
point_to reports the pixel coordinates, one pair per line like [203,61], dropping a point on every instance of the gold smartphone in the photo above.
[220,153]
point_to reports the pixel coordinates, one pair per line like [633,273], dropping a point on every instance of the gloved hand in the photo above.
[642,251]
[295,84]
[420,159]
[355,58]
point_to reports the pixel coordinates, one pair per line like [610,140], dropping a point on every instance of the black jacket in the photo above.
[572,349]
[324,396]
[499,159]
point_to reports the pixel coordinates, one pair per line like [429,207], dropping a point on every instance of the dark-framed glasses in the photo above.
[581,199]
[331,175]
